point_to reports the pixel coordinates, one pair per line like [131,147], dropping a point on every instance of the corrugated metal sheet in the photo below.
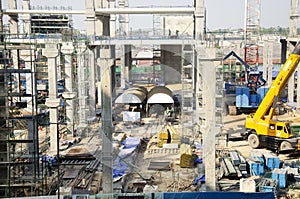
[160,95]
[134,95]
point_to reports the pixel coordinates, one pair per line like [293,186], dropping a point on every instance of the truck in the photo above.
[246,97]
[261,129]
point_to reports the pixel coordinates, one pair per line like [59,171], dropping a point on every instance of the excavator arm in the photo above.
[258,121]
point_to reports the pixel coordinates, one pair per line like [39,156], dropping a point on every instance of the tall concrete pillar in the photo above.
[268,61]
[207,71]
[298,88]
[90,17]
[294,15]
[199,20]
[291,82]
[13,18]
[28,57]
[128,63]
[26,17]
[106,63]
[1,22]
[92,83]
[51,52]
[67,49]
[82,90]
[123,18]
[122,67]
[112,20]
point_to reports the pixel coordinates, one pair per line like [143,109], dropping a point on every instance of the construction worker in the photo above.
[49,165]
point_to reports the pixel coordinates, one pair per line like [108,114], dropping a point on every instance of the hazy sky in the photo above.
[220,13]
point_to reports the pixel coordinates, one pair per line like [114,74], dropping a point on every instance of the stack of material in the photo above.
[186,157]
[256,166]
[281,176]
[162,138]
[272,161]
[268,185]
[175,138]
[227,168]
[168,135]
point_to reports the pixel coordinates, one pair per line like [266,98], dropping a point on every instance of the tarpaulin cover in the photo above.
[218,195]
[46,158]
[199,179]
[129,145]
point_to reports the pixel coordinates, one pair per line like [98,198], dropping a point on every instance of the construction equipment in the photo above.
[262,131]
[246,97]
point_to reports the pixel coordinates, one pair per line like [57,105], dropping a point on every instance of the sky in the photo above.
[221,14]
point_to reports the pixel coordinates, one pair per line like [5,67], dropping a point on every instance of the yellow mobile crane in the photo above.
[262,131]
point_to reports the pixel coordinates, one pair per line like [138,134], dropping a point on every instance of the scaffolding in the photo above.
[187,74]
[22,174]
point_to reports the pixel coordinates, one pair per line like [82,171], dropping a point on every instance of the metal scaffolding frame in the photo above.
[19,122]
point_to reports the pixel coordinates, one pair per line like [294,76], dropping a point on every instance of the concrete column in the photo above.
[107,129]
[298,88]
[270,62]
[82,91]
[294,15]
[90,18]
[291,82]
[208,127]
[28,57]
[199,16]
[123,18]
[67,49]
[126,19]
[128,63]
[51,52]
[265,60]
[92,84]
[1,22]
[26,17]
[112,20]
[13,18]
[16,57]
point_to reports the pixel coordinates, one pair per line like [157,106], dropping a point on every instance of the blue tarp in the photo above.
[46,158]
[129,145]
[218,195]
[199,179]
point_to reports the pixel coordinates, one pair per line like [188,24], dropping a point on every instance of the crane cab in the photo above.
[280,130]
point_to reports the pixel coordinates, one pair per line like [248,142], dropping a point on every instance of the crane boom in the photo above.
[278,85]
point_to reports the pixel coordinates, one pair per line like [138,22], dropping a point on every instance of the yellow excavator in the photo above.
[262,130]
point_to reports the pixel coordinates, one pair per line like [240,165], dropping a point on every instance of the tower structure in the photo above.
[252,31]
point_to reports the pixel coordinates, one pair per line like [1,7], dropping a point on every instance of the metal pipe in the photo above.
[15,11]
[183,10]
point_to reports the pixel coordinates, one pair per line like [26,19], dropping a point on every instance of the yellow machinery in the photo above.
[262,131]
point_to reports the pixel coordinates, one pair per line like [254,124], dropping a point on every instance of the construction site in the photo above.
[172,112]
